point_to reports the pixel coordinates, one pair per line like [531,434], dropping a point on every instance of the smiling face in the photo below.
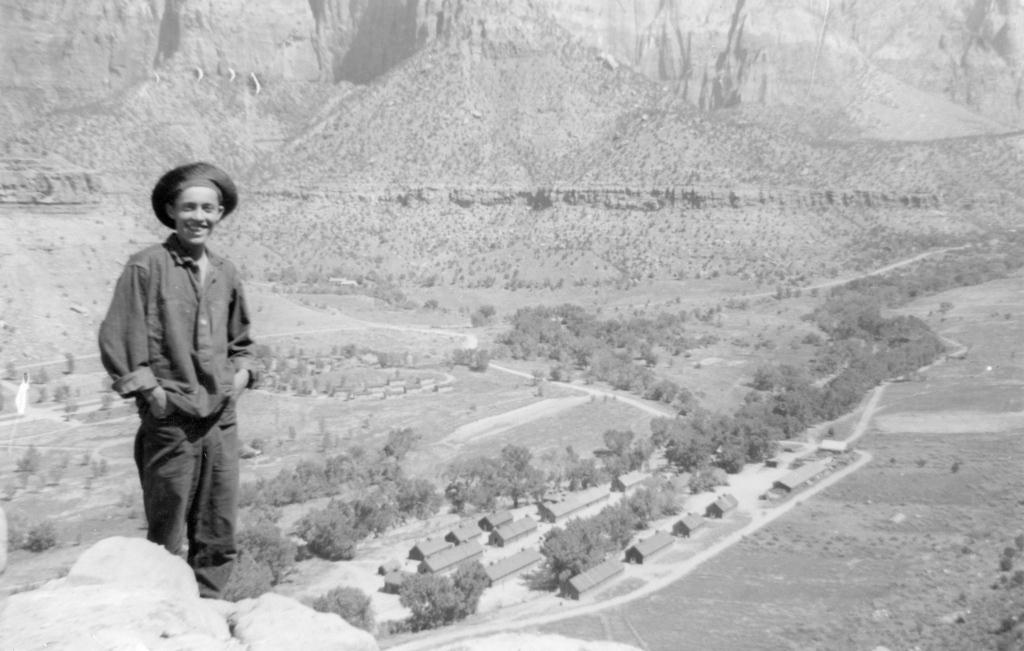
[195,211]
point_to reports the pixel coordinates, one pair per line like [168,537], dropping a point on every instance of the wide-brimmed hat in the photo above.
[173,182]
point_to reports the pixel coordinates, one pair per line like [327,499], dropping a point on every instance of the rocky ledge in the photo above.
[127,594]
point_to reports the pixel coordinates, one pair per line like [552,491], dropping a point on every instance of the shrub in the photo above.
[265,544]
[351,604]
[30,461]
[249,579]
[40,537]
[329,533]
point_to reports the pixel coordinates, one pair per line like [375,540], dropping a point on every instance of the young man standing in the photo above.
[176,338]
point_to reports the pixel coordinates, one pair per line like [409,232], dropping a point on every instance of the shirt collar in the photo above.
[182,258]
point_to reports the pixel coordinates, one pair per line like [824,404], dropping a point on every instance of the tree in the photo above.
[351,604]
[400,442]
[432,599]
[329,532]
[470,580]
[476,481]
[518,476]
[417,498]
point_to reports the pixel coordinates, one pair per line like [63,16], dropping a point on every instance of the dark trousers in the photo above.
[189,474]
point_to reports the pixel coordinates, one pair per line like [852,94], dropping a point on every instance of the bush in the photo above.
[329,533]
[265,544]
[30,461]
[249,579]
[351,604]
[40,537]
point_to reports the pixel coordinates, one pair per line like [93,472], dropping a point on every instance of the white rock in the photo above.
[529,642]
[133,563]
[87,617]
[3,540]
[273,622]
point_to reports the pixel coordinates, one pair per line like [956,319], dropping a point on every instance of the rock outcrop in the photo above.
[127,593]
[517,641]
[714,53]
[41,182]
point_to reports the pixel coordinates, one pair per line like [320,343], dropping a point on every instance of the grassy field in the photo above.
[902,554]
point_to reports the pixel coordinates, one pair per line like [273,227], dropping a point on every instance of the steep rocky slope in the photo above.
[871,56]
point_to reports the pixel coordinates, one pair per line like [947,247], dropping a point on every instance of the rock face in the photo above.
[3,540]
[41,182]
[273,622]
[759,51]
[714,53]
[516,641]
[127,593]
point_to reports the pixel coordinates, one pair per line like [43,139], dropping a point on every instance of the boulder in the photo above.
[133,563]
[272,622]
[517,641]
[86,617]
[3,540]
[122,593]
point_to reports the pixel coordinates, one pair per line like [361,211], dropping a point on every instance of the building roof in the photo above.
[633,478]
[803,474]
[390,566]
[691,521]
[512,564]
[516,528]
[396,578]
[465,531]
[832,445]
[655,543]
[497,518]
[430,546]
[576,501]
[451,557]
[726,502]
[595,576]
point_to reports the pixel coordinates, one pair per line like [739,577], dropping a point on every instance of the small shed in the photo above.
[463,533]
[512,566]
[833,445]
[451,558]
[584,582]
[687,525]
[645,549]
[512,531]
[388,567]
[722,505]
[492,521]
[423,550]
[393,581]
[628,480]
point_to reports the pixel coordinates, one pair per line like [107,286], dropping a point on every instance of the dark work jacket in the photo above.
[163,328]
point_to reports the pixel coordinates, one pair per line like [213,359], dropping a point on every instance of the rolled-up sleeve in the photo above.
[240,344]
[124,343]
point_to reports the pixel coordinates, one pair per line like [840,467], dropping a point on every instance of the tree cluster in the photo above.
[437,600]
[618,351]
[586,542]
[480,481]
